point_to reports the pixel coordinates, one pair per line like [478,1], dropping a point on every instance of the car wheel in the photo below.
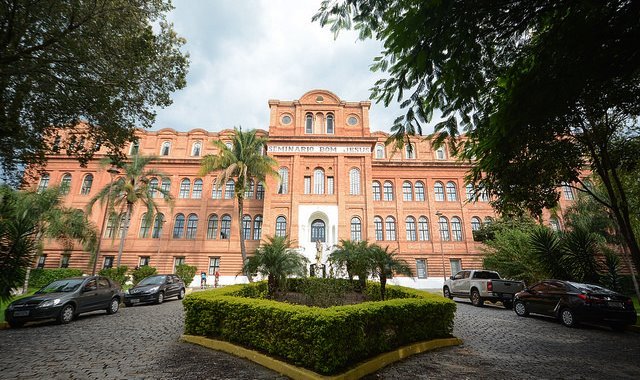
[568,317]
[66,314]
[181,294]
[114,305]
[476,300]
[15,324]
[446,293]
[507,304]
[160,298]
[520,309]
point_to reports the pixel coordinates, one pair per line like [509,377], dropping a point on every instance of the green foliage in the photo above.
[186,273]
[41,277]
[351,257]
[322,292]
[611,278]
[510,254]
[324,340]
[117,274]
[276,260]
[142,272]
[488,231]
[107,65]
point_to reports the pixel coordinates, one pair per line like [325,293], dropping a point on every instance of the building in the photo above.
[338,181]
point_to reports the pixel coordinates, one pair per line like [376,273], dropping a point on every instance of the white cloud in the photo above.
[245,53]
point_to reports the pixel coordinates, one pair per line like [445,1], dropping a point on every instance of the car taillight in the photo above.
[489,286]
[583,297]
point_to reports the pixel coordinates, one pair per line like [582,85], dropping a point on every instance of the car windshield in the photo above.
[153,280]
[64,286]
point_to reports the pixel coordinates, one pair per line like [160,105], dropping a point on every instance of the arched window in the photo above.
[388,191]
[452,193]
[248,194]
[318,231]
[257,227]
[354,179]
[260,191]
[192,226]
[283,188]
[196,149]
[484,197]
[212,226]
[476,223]
[330,124]
[438,189]
[423,228]
[225,227]
[379,151]
[356,229]
[554,224]
[281,226]
[178,227]
[216,191]
[164,151]
[229,188]
[443,224]
[65,184]
[153,187]
[410,223]
[145,226]
[456,228]
[376,191]
[110,230]
[44,182]
[185,187]
[158,222]
[488,220]
[308,123]
[419,189]
[390,228]
[166,186]
[123,220]
[470,192]
[407,191]
[197,189]
[377,225]
[135,148]
[410,151]
[246,227]
[440,154]
[87,182]
[318,181]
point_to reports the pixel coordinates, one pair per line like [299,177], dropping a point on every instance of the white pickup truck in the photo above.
[480,286]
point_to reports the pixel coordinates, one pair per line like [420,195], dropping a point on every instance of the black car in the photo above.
[573,302]
[155,289]
[65,299]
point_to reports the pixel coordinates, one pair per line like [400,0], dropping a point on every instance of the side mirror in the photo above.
[451,278]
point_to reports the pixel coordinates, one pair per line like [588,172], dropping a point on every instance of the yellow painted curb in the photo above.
[294,372]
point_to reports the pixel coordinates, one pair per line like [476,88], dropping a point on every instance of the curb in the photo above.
[294,372]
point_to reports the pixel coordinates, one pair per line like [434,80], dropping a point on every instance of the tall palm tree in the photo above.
[129,190]
[243,162]
[276,260]
[383,264]
[352,257]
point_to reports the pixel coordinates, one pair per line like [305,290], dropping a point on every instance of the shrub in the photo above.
[41,277]
[118,274]
[142,272]
[325,340]
[322,292]
[186,273]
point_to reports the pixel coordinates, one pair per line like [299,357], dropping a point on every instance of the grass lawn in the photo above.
[4,304]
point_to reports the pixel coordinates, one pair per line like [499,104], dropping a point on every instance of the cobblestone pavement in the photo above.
[142,343]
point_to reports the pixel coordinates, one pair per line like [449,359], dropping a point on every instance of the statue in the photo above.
[318,252]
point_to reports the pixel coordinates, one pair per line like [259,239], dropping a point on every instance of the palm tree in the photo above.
[244,162]
[276,260]
[351,257]
[383,264]
[129,190]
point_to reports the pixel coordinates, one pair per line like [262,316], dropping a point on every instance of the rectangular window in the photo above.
[214,265]
[41,261]
[421,268]
[229,189]
[108,262]
[330,185]
[568,192]
[376,192]
[64,261]
[307,184]
[456,265]
[178,261]
[260,191]
[144,260]
[284,181]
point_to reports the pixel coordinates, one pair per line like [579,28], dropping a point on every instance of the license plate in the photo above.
[21,313]
[135,300]
[615,304]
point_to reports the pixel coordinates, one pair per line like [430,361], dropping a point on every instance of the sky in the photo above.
[244,53]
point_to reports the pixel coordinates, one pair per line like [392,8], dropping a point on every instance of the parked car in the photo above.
[573,302]
[65,299]
[480,286]
[155,289]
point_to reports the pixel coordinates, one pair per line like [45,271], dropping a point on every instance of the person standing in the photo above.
[203,280]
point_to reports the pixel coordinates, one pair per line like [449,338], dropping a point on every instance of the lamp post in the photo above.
[444,271]
[112,172]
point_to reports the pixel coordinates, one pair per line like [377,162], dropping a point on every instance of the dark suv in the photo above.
[155,289]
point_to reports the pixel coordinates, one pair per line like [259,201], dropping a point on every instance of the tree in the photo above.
[26,217]
[129,190]
[104,65]
[537,105]
[276,260]
[383,264]
[244,162]
[352,257]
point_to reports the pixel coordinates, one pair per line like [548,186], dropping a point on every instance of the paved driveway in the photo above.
[142,343]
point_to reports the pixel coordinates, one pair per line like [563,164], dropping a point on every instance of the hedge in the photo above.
[325,340]
[41,277]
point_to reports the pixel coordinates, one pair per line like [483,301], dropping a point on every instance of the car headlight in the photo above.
[153,290]
[50,303]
